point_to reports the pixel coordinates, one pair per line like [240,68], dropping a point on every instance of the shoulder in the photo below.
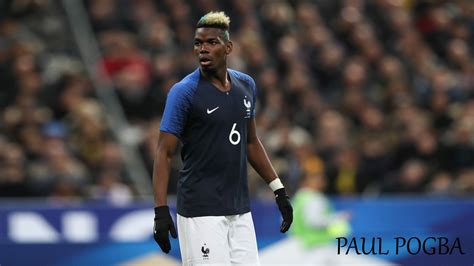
[185,87]
[243,77]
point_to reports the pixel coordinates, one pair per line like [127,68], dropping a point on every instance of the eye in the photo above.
[197,43]
[213,42]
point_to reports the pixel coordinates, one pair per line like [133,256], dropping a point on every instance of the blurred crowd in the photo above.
[379,94]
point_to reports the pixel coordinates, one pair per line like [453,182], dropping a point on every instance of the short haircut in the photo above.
[216,20]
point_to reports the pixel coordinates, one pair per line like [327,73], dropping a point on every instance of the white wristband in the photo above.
[276,184]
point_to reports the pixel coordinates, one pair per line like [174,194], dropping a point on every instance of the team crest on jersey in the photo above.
[248,105]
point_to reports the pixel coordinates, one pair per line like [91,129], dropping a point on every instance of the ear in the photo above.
[228,47]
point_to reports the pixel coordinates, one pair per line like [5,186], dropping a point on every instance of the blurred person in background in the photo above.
[111,180]
[13,177]
[442,184]
[212,112]
[316,226]
[57,172]
[411,179]
[465,182]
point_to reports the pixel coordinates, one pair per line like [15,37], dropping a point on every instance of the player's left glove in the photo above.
[284,205]
[163,225]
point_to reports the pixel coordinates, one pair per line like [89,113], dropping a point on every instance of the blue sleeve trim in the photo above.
[171,132]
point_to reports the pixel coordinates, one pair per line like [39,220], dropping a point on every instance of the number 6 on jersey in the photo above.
[234,132]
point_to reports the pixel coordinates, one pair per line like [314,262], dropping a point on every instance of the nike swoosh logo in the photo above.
[210,111]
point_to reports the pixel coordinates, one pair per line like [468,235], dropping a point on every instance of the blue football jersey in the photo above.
[212,126]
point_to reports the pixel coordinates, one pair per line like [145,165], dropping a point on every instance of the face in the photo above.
[211,49]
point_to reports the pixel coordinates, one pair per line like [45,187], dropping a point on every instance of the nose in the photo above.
[203,49]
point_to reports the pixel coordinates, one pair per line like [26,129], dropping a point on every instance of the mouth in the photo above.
[204,61]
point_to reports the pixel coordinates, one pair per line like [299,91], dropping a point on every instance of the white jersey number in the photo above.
[232,133]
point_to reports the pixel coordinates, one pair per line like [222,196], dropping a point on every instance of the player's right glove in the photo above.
[284,205]
[163,225]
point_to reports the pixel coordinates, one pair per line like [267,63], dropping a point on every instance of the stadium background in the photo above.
[379,94]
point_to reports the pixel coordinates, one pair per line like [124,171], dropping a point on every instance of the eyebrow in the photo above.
[206,40]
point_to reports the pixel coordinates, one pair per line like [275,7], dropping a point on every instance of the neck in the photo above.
[218,74]
[218,77]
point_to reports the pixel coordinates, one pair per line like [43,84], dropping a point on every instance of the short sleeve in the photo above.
[178,104]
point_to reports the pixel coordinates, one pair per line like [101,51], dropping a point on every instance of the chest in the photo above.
[212,106]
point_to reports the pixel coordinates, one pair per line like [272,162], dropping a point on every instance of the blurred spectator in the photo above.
[411,178]
[465,182]
[88,133]
[13,178]
[110,189]
[442,184]
[57,168]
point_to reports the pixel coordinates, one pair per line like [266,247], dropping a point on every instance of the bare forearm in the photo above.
[161,173]
[161,167]
[259,160]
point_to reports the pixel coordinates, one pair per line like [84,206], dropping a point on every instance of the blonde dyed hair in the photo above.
[215,19]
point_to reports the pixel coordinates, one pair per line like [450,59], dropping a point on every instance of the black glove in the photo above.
[284,205]
[163,224]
